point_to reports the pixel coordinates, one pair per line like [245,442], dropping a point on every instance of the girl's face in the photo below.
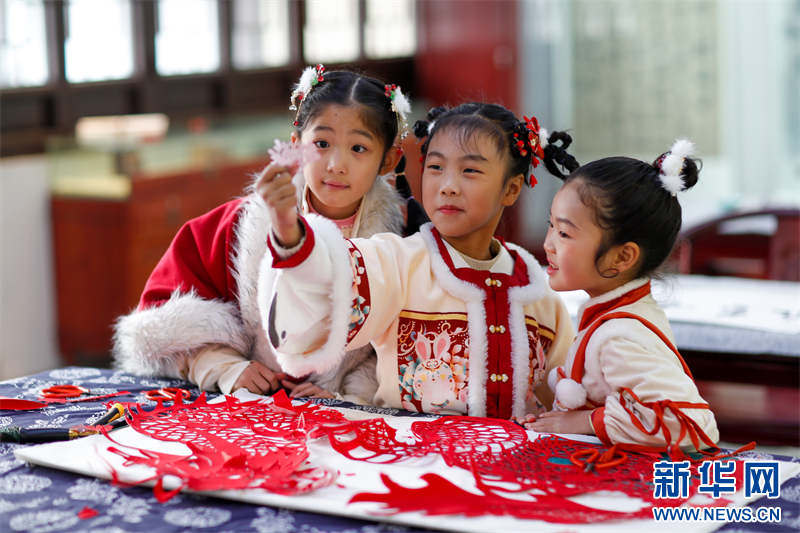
[571,245]
[463,191]
[351,157]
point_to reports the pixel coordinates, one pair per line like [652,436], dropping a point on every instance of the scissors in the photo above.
[167,393]
[590,463]
[64,391]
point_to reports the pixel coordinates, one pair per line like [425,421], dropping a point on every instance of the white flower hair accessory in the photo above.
[401,107]
[670,165]
[308,80]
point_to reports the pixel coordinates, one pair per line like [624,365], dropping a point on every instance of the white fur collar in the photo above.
[473,297]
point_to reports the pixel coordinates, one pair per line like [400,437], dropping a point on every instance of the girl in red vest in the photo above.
[612,224]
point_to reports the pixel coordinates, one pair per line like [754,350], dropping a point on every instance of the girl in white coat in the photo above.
[612,224]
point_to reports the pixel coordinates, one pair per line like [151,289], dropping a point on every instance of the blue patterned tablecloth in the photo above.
[37,500]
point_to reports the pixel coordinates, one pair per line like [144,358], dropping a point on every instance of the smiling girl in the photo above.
[198,317]
[612,224]
[461,321]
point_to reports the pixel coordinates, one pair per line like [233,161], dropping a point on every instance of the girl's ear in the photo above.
[295,138]
[390,160]
[626,257]
[513,188]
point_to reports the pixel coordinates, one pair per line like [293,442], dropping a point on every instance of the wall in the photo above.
[27,306]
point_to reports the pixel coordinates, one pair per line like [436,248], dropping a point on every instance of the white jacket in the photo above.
[449,339]
[625,353]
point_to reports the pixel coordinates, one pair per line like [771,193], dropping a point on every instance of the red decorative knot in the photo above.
[523,153]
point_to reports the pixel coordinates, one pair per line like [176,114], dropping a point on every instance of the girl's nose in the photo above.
[548,244]
[449,184]
[336,162]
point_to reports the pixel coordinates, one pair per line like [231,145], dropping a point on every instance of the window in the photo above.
[99,44]
[23,44]
[390,29]
[260,34]
[331,33]
[187,37]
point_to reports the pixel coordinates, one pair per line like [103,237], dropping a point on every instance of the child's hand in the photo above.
[579,422]
[279,193]
[259,379]
[306,390]
[526,422]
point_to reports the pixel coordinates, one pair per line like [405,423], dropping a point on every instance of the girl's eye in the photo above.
[322,144]
[563,235]
[549,223]
[434,167]
[359,149]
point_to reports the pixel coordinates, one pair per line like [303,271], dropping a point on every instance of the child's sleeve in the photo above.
[332,295]
[187,304]
[563,337]
[666,395]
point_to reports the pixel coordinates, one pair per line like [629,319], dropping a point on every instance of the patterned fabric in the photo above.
[38,499]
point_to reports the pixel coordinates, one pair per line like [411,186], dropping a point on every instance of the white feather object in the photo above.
[570,394]
[430,126]
[401,103]
[304,85]
[543,134]
[672,165]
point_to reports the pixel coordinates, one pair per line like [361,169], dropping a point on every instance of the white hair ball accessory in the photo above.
[543,135]
[552,378]
[430,126]
[570,394]
[671,165]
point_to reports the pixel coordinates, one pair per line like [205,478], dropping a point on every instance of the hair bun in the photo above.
[556,155]
[677,169]
[422,127]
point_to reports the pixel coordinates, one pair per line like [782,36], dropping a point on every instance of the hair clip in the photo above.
[530,138]
[670,165]
[308,80]
[401,107]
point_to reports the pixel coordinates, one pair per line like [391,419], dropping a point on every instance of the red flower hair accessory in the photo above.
[530,139]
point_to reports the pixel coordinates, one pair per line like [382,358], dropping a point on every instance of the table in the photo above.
[42,499]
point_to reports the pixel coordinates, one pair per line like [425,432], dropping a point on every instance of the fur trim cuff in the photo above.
[153,341]
[329,355]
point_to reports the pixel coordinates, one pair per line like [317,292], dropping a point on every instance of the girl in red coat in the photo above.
[198,317]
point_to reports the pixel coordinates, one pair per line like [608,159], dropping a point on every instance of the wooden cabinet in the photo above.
[106,249]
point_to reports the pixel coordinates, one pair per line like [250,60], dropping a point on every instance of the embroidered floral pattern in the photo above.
[360,292]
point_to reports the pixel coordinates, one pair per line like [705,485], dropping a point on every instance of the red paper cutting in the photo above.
[234,445]
[237,445]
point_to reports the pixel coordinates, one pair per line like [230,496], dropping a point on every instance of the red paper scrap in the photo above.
[87,513]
